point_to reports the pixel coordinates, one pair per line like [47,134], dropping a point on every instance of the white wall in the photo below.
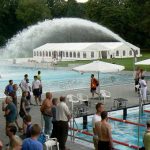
[64,58]
[127,51]
[88,55]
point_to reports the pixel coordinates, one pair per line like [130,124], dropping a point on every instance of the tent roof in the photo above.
[82,46]
[143,62]
[99,66]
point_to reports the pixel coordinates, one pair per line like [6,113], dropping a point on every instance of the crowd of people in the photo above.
[55,114]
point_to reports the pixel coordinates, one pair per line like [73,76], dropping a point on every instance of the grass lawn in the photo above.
[127,62]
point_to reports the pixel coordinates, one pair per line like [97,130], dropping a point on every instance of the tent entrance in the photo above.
[104,54]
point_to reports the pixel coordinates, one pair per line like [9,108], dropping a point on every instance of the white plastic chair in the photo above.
[48,145]
[82,98]
[73,100]
[105,94]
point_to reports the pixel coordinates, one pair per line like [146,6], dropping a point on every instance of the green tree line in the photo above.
[128,18]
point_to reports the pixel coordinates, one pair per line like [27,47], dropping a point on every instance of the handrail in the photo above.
[126,121]
[115,141]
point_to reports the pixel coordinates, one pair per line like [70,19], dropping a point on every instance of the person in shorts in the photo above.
[36,86]
[94,84]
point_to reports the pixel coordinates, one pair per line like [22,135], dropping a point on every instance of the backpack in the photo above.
[42,138]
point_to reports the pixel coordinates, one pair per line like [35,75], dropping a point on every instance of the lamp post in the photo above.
[134,58]
[140,97]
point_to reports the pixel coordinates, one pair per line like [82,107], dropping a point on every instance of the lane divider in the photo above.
[127,121]
[148,111]
[115,141]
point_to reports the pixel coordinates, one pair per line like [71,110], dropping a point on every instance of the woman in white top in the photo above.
[143,89]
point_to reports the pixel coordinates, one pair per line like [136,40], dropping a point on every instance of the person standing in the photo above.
[23,84]
[143,88]
[103,130]
[63,115]
[15,143]
[97,118]
[146,138]
[39,78]
[36,85]
[54,122]
[136,78]
[9,88]
[24,108]
[141,73]
[28,122]
[94,84]
[47,114]
[13,94]
[10,111]
[39,75]
[32,143]
[28,90]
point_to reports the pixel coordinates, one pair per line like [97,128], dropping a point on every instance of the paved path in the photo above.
[124,91]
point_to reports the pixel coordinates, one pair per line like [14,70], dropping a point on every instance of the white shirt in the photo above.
[62,112]
[142,83]
[36,84]
[24,85]
[96,118]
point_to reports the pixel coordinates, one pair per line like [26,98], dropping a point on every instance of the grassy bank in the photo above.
[127,62]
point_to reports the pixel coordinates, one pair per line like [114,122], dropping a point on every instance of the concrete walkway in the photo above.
[123,91]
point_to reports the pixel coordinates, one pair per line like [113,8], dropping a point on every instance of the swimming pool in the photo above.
[122,132]
[59,80]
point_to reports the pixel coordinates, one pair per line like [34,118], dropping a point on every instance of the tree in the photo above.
[31,11]
[9,24]
[59,9]
[73,9]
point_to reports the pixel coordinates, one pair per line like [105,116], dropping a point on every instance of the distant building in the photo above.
[84,51]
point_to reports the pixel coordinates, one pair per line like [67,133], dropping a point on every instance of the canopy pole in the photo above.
[139,118]
[99,87]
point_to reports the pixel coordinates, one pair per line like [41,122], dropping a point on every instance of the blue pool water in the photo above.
[59,80]
[122,132]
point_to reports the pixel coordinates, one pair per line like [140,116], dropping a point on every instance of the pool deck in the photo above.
[124,91]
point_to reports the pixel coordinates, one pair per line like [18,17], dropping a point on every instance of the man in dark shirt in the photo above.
[10,110]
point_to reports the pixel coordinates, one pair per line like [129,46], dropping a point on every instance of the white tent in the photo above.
[143,62]
[84,51]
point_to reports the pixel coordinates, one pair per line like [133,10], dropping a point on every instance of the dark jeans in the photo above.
[62,133]
[54,131]
[102,145]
